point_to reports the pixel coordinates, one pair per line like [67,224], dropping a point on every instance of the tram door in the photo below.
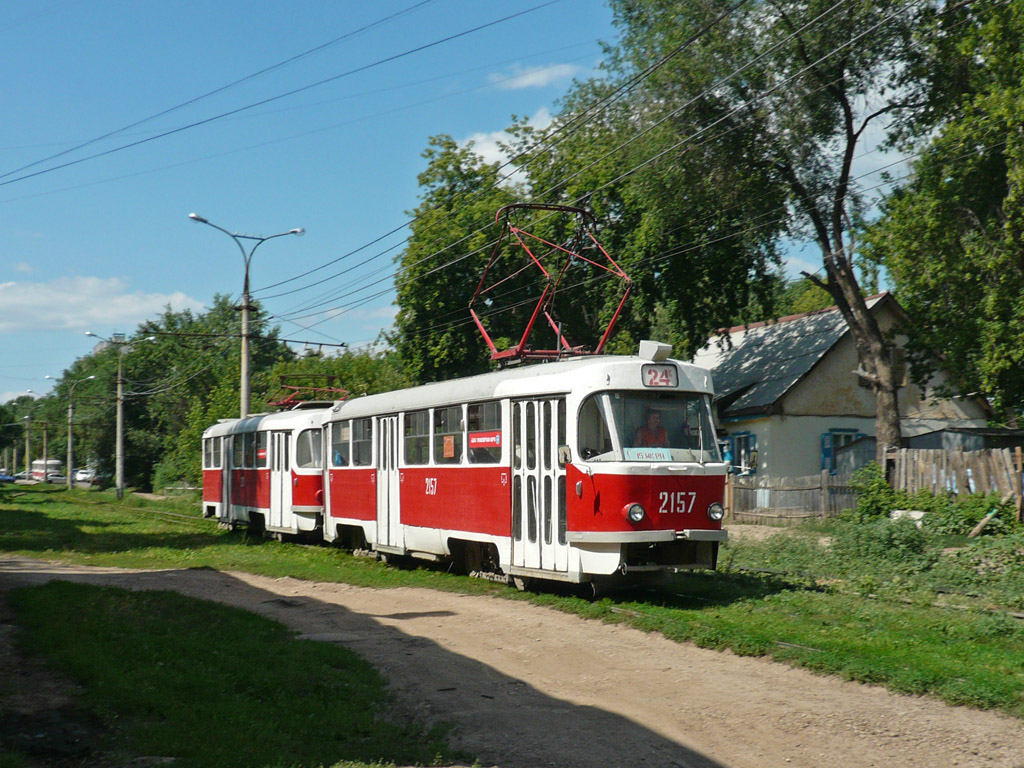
[389,526]
[280,479]
[538,485]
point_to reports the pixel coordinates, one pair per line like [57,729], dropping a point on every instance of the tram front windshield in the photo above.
[647,426]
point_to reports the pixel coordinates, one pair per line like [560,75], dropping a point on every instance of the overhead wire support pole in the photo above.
[245,383]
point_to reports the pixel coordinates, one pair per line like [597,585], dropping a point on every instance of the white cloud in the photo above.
[534,77]
[23,267]
[487,144]
[73,303]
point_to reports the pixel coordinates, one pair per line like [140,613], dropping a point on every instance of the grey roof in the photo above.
[767,359]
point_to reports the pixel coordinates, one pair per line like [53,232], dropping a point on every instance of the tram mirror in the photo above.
[564,455]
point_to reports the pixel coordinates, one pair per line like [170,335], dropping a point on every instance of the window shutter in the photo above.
[826,451]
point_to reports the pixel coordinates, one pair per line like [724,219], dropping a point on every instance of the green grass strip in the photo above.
[216,686]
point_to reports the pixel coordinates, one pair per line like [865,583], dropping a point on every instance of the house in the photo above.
[788,394]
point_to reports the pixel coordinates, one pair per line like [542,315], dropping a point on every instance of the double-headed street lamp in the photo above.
[123,346]
[247,257]
[71,423]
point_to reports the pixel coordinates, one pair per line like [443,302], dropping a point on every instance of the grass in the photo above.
[872,603]
[170,675]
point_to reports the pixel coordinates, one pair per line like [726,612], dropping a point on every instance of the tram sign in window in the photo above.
[660,376]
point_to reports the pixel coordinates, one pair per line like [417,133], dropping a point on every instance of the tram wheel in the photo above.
[474,557]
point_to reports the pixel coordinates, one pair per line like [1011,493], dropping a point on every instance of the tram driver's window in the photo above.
[594,436]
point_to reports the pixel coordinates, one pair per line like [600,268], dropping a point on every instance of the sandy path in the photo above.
[527,686]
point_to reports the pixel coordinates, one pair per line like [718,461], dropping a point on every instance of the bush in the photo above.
[875,497]
[898,541]
[959,518]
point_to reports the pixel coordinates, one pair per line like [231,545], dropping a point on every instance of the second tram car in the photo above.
[266,471]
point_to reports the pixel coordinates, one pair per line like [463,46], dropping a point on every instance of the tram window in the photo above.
[484,420]
[340,432]
[547,509]
[261,449]
[238,452]
[546,445]
[308,449]
[517,449]
[362,442]
[416,447]
[448,428]
[531,436]
[594,438]
[249,450]
[517,507]
[531,507]
[211,453]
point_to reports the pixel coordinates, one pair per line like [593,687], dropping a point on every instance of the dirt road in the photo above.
[527,686]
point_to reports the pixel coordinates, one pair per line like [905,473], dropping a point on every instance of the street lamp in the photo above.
[123,347]
[71,423]
[247,257]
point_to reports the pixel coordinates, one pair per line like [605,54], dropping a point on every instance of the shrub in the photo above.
[898,541]
[959,518]
[875,497]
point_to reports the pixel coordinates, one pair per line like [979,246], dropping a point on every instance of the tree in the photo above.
[757,115]
[952,237]
[452,233]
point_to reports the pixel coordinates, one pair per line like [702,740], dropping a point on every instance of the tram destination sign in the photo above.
[660,376]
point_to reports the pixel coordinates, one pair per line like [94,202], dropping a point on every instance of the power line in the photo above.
[280,96]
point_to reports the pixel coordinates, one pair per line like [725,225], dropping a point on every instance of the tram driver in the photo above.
[651,433]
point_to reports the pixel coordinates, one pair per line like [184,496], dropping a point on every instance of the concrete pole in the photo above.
[119,447]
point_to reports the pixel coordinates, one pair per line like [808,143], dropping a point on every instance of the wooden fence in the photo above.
[787,501]
[958,472]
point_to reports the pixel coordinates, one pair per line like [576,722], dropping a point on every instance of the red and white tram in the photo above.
[583,470]
[266,471]
[536,472]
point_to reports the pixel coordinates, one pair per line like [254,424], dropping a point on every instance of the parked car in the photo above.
[84,475]
[5,478]
[20,475]
[56,478]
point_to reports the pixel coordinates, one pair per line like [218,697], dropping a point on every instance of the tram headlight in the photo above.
[635,512]
[716,511]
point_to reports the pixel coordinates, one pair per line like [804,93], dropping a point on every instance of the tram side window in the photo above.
[362,442]
[249,450]
[340,432]
[484,421]
[595,438]
[211,453]
[261,449]
[448,428]
[416,446]
[308,449]
[239,444]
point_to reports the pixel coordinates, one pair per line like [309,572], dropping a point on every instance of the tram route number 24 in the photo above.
[677,502]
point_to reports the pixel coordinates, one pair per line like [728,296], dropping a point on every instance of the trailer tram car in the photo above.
[590,469]
[266,471]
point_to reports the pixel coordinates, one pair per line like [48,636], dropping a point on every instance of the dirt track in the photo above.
[527,686]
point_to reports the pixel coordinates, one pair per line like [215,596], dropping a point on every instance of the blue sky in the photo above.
[105,242]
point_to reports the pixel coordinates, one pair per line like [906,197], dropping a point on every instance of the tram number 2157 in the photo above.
[677,502]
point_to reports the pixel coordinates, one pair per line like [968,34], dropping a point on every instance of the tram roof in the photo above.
[585,373]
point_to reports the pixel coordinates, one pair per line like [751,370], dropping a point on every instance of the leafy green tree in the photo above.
[952,236]
[745,131]
[451,241]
